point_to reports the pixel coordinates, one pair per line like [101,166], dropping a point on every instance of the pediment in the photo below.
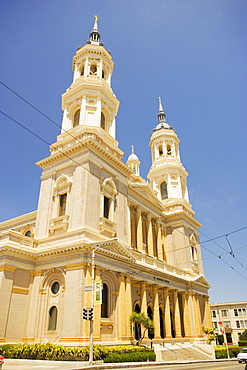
[200,279]
[114,248]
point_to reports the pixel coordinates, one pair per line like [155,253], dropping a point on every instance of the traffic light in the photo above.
[90,314]
[87,313]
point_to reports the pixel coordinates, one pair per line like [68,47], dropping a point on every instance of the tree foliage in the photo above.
[243,336]
[141,320]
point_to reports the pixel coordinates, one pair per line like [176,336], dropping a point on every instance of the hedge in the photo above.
[242,343]
[130,357]
[49,351]
[222,353]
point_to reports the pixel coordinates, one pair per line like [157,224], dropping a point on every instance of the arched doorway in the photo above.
[150,315]
[162,334]
[172,325]
[137,326]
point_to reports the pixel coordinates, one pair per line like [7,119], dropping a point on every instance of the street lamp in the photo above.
[94,249]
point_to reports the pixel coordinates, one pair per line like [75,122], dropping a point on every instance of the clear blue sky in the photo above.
[192,53]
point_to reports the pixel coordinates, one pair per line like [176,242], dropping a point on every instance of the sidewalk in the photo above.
[15,364]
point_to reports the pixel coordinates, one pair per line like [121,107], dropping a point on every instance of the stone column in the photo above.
[159,240]
[156,318]
[186,315]
[177,319]
[129,223]
[139,229]
[86,71]
[167,318]
[122,316]
[143,298]
[150,237]
[7,275]
[197,315]
[208,318]
[83,111]
[129,307]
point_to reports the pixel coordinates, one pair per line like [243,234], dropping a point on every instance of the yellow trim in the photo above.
[75,266]
[8,268]
[20,290]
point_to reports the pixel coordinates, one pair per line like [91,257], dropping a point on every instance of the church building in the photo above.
[103,237]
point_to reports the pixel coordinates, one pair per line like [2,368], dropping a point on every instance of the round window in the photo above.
[55,287]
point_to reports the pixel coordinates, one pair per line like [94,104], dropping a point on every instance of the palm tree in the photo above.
[141,320]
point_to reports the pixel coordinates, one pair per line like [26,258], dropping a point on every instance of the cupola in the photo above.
[133,162]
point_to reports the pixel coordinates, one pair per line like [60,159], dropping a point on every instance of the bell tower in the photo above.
[167,174]
[90,101]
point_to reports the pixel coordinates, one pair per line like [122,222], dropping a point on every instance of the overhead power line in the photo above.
[39,137]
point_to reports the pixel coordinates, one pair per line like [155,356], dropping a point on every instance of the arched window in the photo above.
[28,233]
[104,305]
[62,204]
[160,151]
[82,71]
[76,118]
[162,334]
[169,149]
[163,190]
[103,73]
[138,332]
[93,69]
[52,325]
[150,315]
[102,121]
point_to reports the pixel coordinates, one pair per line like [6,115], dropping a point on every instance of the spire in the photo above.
[133,162]
[161,114]
[94,37]
[161,118]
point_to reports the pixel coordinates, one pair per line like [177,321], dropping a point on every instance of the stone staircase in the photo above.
[183,352]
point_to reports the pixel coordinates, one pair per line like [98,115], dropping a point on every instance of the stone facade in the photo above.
[101,228]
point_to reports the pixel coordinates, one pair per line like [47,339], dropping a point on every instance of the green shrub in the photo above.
[223,354]
[242,343]
[130,357]
[220,339]
[49,351]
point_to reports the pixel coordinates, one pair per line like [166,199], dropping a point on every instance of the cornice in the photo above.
[93,49]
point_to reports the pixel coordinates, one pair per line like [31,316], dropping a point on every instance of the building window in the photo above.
[215,324]
[104,305]
[106,207]
[55,287]
[52,325]
[163,190]
[62,204]
[160,151]
[76,118]
[169,149]
[224,313]
[102,120]
[241,324]
[28,233]
[226,324]
[213,313]
[193,253]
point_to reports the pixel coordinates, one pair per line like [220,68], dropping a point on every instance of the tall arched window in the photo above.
[162,334]
[102,121]
[138,332]
[150,315]
[52,325]
[163,190]
[76,118]
[104,305]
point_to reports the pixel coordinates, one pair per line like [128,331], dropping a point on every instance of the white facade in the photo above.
[229,319]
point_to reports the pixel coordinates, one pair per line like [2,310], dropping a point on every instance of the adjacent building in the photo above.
[102,236]
[229,319]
